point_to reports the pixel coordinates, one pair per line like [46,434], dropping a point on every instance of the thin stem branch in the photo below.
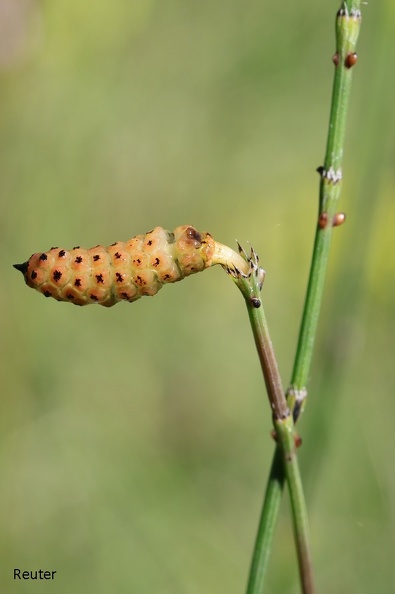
[284,428]
[268,361]
[267,525]
[348,20]
[250,285]
[286,438]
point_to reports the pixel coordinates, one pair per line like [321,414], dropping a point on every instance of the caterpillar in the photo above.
[125,271]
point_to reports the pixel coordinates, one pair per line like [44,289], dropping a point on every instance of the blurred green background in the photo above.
[135,441]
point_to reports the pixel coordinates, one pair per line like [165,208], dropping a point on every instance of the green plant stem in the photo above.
[286,438]
[347,29]
[267,525]
[268,361]
[287,458]
[348,22]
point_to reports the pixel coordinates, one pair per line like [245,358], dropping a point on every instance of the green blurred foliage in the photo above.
[135,441]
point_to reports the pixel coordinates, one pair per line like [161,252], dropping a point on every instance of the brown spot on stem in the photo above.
[298,441]
[339,219]
[336,59]
[323,220]
[62,254]
[57,275]
[351,60]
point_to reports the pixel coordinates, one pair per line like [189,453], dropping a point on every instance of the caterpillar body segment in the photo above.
[125,271]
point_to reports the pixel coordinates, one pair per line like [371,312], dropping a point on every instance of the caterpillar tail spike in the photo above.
[126,271]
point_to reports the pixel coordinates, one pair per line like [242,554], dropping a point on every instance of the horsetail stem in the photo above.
[348,21]
[250,285]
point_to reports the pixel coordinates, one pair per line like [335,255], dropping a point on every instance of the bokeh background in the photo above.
[135,441]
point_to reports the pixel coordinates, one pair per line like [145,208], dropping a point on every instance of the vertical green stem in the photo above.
[286,438]
[348,20]
[268,361]
[267,525]
[286,459]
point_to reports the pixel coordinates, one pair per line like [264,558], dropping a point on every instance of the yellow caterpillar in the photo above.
[125,271]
